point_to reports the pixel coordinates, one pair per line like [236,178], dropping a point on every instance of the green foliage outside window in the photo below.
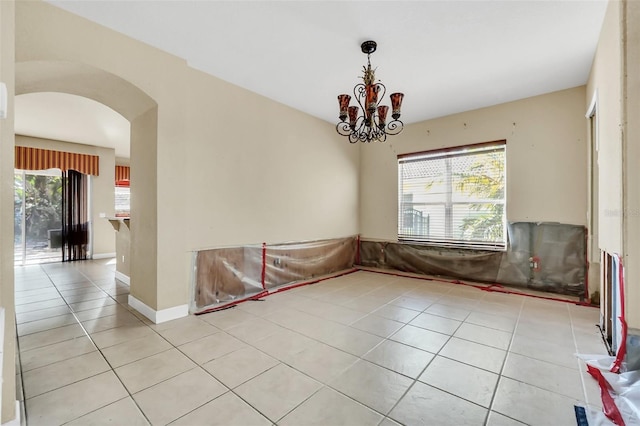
[42,204]
[485,179]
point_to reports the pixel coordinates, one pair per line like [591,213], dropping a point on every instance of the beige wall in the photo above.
[232,167]
[6,213]
[630,156]
[605,83]
[285,176]
[102,187]
[546,159]
[144,217]
[615,83]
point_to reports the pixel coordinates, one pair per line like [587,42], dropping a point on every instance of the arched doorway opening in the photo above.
[68,125]
[141,112]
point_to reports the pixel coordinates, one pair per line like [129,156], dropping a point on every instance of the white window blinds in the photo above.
[454,197]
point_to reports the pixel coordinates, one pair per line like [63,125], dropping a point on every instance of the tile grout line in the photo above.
[24,399]
[535,359]
[411,386]
[359,358]
[97,348]
[575,343]
[197,365]
[72,312]
[280,361]
[323,385]
[504,363]
[411,378]
[451,336]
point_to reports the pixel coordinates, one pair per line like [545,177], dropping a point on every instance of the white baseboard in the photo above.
[172,313]
[103,255]
[163,315]
[124,278]
[16,420]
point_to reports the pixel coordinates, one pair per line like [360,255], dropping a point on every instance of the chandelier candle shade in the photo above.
[372,124]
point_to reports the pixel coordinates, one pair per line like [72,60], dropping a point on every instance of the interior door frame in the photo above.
[595,257]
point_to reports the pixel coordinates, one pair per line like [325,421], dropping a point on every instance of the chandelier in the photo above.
[372,124]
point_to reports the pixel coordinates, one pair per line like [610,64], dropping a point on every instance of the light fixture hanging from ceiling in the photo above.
[372,124]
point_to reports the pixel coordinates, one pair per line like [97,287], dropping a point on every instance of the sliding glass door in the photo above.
[37,216]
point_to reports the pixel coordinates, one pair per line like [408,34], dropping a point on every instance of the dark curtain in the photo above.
[75,226]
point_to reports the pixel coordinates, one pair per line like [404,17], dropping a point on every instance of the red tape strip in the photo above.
[267,292]
[609,406]
[490,287]
[232,304]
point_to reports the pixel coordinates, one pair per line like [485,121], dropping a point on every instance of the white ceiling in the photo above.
[71,118]
[446,56]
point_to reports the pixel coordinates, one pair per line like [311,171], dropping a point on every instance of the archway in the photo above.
[142,112]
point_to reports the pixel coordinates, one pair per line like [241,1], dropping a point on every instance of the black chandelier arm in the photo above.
[343,128]
[358,94]
[357,130]
[394,127]
[355,133]
[371,134]
[362,133]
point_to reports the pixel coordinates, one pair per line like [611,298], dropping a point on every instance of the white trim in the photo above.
[591,112]
[172,313]
[90,210]
[142,308]
[124,278]
[16,420]
[592,105]
[103,256]
[163,315]
[3,101]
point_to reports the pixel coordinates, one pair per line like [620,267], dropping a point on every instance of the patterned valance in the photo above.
[122,173]
[42,159]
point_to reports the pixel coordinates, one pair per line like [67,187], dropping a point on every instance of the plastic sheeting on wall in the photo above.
[230,274]
[542,256]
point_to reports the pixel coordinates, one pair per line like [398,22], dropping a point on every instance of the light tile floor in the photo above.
[362,349]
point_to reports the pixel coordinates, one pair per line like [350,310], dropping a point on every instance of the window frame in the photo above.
[444,153]
[122,212]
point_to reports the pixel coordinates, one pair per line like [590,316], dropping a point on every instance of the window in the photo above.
[123,192]
[123,200]
[454,197]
